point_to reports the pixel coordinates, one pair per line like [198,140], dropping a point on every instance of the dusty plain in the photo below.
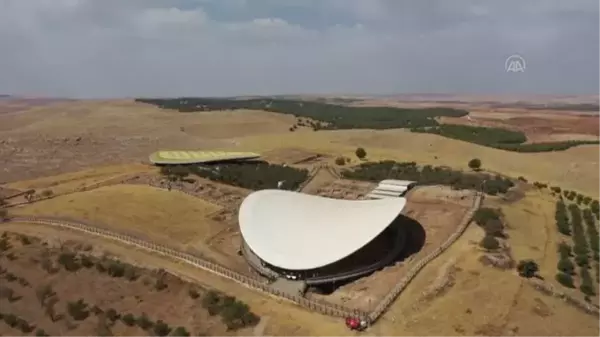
[92,155]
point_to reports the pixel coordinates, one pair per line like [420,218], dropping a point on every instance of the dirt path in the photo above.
[321,178]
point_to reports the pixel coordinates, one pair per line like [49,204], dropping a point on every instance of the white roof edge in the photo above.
[397,182]
[298,231]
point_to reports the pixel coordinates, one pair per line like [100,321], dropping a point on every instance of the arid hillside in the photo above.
[519,229]
[52,137]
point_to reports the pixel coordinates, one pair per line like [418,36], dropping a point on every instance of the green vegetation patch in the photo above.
[334,116]
[429,175]
[256,175]
[234,313]
[503,139]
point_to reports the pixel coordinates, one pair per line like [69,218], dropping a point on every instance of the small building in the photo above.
[391,188]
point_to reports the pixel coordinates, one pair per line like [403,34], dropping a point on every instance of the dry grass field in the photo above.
[578,169]
[457,295]
[169,217]
[69,136]
[66,145]
[69,182]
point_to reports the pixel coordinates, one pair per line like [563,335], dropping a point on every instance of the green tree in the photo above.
[527,268]
[485,214]
[475,164]
[180,331]
[564,250]
[144,322]
[489,242]
[565,279]
[494,227]
[161,328]
[566,266]
[41,333]
[360,153]
[587,284]
[128,319]
[78,310]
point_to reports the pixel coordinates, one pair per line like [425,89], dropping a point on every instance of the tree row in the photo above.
[429,175]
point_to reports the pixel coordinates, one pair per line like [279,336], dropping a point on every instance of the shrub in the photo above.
[565,279]
[340,161]
[86,261]
[485,214]
[161,328]
[47,193]
[78,310]
[566,266]
[116,269]
[180,331]
[489,242]
[24,326]
[11,320]
[582,260]
[131,273]
[210,301]
[25,240]
[69,261]
[564,250]
[494,227]
[527,268]
[112,314]
[475,164]
[144,322]
[128,319]
[193,293]
[360,153]
[160,284]
[587,284]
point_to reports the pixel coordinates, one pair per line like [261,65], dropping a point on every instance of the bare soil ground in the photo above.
[324,183]
[341,188]
[26,273]
[439,211]
[70,136]
[286,319]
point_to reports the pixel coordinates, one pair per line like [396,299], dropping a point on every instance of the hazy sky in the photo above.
[124,48]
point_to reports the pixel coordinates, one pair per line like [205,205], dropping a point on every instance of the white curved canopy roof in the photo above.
[299,231]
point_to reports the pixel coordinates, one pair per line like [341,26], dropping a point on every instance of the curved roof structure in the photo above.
[297,231]
[195,157]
